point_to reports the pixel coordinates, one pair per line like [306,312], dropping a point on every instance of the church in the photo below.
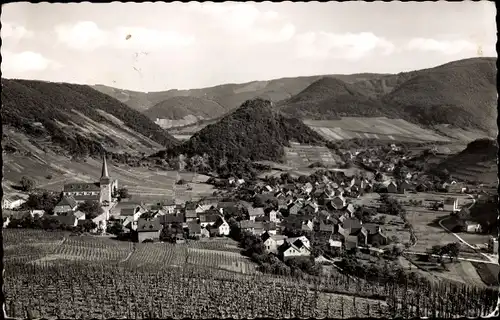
[101,191]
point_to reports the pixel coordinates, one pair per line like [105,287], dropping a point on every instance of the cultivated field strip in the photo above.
[373,128]
[299,156]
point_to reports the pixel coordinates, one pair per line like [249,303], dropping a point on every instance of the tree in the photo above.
[115,228]
[123,193]
[90,208]
[89,225]
[27,184]
[452,249]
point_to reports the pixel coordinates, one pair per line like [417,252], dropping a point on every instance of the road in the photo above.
[490,259]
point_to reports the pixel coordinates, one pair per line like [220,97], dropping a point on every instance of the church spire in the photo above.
[104,173]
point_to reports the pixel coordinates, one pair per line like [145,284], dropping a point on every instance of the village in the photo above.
[293,217]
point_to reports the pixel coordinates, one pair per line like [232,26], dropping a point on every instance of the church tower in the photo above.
[105,184]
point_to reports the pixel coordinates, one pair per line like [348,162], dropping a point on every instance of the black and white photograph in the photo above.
[236,160]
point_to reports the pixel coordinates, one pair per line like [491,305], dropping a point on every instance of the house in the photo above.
[12,202]
[351,225]
[253,227]
[255,212]
[67,204]
[179,238]
[307,188]
[472,227]
[351,243]
[338,202]
[101,221]
[222,227]
[304,240]
[350,209]
[169,207]
[295,249]
[272,215]
[272,242]
[310,208]
[128,209]
[6,221]
[294,208]
[208,218]
[205,233]
[392,187]
[450,204]
[456,188]
[170,219]
[307,225]
[404,186]
[148,229]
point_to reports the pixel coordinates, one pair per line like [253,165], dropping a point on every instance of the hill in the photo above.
[331,98]
[252,132]
[228,96]
[180,108]
[461,93]
[476,163]
[75,120]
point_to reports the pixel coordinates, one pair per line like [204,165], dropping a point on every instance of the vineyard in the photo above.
[90,277]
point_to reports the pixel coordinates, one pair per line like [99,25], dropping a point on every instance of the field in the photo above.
[428,232]
[142,183]
[300,156]
[121,279]
[379,128]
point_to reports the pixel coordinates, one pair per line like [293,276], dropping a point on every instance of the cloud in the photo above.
[87,36]
[13,31]
[84,35]
[26,61]
[443,46]
[246,22]
[349,46]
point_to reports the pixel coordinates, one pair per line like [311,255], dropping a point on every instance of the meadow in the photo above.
[143,184]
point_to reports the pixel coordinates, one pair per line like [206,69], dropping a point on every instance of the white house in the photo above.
[472,227]
[273,216]
[12,202]
[304,240]
[222,226]
[272,242]
[294,250]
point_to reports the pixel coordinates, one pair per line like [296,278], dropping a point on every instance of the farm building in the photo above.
[450,204]
[101,191]
[12,202]
[67,204]
[128,209]
[472,227]
[148,229]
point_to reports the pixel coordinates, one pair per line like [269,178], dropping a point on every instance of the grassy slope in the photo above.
[177,108]
[76,118]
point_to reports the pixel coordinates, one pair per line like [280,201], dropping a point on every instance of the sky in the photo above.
[162,46]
